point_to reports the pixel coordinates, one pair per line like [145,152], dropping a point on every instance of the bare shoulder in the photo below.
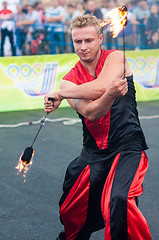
[66,84]
[115,56]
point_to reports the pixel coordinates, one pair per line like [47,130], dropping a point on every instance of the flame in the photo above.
[117,20]
[23,166]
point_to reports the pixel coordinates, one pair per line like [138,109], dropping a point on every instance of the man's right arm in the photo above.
[92,110]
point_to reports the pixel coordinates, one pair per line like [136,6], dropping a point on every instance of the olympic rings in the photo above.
[26,71]
[140,63]
[13,71]
[39,68]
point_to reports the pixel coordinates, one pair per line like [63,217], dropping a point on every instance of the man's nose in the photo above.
[83,46]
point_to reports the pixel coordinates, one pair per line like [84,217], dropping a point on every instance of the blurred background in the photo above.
[42,27]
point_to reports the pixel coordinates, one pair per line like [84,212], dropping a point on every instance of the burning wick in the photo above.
[25,161]
[117,20]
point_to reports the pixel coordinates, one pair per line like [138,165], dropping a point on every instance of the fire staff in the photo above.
[102,185]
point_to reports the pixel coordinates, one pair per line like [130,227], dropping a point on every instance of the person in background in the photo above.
[54,17]
[40,10]
[92,9]
[80,7]
[72,13]
[152,24]
[34,27]
[139,20]
[7,28]
[21,29]
[25,4]
[153,43]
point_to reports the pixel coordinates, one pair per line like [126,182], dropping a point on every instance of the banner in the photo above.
[25,80]
[145,67]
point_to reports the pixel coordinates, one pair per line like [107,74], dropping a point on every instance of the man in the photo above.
[20,17]
[102,185]
[92,9]
[139,20]
[54,18]
[7,28]
[34,27]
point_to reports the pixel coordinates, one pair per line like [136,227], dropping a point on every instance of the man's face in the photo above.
[87,42]
[154,9]
[143,5]
[5,4]
[30,9]
[91,6]
[55,3]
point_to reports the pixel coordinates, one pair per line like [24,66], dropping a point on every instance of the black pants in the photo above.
[100,191]
[5,32]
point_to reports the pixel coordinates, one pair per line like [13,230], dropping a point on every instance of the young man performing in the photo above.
[102,185]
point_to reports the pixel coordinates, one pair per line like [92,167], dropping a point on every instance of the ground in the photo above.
[29,210]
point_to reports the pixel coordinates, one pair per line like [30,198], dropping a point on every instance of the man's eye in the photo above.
[77,42]
[89,40]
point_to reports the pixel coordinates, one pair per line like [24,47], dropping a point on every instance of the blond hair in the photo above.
[84,21]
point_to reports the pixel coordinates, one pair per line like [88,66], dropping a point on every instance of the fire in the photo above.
[23,166]
[117,20]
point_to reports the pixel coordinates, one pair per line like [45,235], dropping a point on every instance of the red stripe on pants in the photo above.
[74,209]
[105,200]
[138,228]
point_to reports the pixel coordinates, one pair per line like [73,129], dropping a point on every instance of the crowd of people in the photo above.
[35,29]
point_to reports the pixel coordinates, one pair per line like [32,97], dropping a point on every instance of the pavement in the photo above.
[29,211]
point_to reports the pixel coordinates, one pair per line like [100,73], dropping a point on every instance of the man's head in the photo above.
[19,8]
[143,4]
[86,36]
[55,3]
[91,6]
[154,9]
[30,8]
[86,21]
[5,4]
[70,9]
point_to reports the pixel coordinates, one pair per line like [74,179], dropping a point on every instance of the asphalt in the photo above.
[29,211]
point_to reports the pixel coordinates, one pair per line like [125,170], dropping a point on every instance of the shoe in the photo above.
[61,236]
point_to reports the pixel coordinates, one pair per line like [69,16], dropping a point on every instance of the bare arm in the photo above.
[92,110]
[54,19]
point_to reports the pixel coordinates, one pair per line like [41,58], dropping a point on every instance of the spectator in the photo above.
[34,27]
[139,18]
[154,41]
[25,6]
[7,28]
[54,17]
[20,17]
[80,7]
[72,13]
[39,9]
[153,20]
[92,9]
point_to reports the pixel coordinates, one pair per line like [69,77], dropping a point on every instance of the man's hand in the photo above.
[51,105]
[118,88]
